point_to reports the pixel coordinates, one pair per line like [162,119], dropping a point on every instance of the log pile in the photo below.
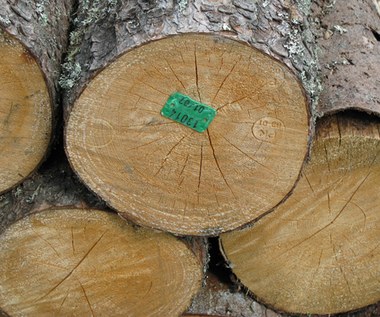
[249,126]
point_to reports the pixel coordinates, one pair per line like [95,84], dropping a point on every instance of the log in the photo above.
[89,262]
[181,175]
[33,38]
[317,253]
[348,35]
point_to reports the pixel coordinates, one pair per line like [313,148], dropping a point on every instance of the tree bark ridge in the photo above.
[42,26]
[348,39]
[104,30]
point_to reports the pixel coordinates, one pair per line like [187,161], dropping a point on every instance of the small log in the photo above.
[33,37]
[319,251]
[89,262]
[158,172]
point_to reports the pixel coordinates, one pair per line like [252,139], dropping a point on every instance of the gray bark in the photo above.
[348,38]
[42,26]
[53,185]
[104,30]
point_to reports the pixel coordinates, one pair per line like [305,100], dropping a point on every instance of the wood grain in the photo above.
[319,251]
[25,112]
[33,39]
[92,263]
[162,174]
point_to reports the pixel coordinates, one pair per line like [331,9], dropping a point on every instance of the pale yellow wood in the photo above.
[162,174]
[319,251]
[74,262]
[25,113]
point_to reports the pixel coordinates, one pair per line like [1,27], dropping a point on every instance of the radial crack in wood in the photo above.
[158,173]
[92,263]
[319,251]
[25,112]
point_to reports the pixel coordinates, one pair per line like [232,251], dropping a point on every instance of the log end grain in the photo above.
[319,251]
[89,262]
[25,113]
[161,173]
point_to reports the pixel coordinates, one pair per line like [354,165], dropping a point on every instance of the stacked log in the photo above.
[318,252]
[88,262]
[132,132]
[195,118]
[33,39]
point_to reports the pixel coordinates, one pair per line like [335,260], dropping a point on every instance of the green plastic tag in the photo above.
[188,112]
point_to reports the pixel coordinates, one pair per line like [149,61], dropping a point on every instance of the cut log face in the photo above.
[160,173]
[25,113]
[319,251]
[87,262]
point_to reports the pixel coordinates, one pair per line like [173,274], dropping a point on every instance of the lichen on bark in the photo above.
[42,26]
[105,29]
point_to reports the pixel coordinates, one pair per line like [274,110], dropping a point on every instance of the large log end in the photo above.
[318,253]
[161,171]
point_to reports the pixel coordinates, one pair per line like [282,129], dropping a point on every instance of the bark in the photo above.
[33,39]
[53,185]
[104,30]
[348,38]
[42,26]
[220,299]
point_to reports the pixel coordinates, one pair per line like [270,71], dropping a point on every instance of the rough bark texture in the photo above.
[42,26]
[53,185]
[217,299]
[104,30]
[348,37]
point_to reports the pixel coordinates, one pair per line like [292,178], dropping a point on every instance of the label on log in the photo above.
[188,112]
